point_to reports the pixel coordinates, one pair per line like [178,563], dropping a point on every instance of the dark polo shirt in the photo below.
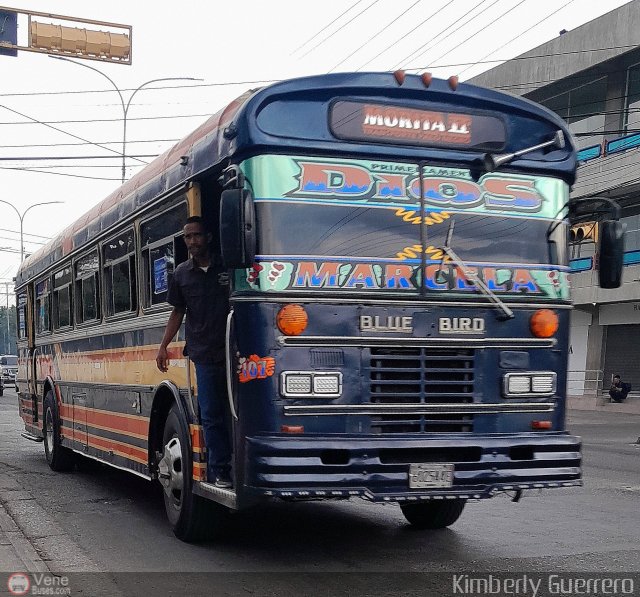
[204,296]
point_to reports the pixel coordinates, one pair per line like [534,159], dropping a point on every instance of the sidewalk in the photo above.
[16,552]
[630,406]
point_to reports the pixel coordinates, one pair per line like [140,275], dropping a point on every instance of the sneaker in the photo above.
[223,482]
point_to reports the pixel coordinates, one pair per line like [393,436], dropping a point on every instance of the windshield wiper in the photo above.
[471,276]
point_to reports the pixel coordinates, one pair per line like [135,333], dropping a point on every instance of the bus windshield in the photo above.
[358,226]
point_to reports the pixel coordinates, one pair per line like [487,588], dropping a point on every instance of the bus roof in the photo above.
[297,117]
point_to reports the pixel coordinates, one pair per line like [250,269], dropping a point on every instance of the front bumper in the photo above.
[377,468]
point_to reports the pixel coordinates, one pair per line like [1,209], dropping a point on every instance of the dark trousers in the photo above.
[212,400]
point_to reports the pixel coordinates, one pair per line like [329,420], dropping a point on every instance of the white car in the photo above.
[8,369]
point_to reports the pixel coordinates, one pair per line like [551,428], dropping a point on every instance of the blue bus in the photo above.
[399,303]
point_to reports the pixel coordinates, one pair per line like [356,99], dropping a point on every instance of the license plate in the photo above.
[428,476]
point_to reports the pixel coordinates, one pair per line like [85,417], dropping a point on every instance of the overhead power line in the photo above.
[406,35]
[468,38]
[119,142]
[340,28]
[71,157]
[24,233]
[519,35]
[534,57]
[342,14]
[62,131]
[48,122]
[433,41]
[159,88]
[384,29]
[59,173]
[17,240]
[261,81]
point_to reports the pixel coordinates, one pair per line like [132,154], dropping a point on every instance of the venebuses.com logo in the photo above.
[20,583]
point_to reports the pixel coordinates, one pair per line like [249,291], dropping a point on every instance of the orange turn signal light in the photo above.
[541,425]
[544,323]
[292,320]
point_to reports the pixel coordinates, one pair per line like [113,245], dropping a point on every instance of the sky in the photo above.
[57,111]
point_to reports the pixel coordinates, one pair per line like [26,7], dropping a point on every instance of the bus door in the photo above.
[31,352]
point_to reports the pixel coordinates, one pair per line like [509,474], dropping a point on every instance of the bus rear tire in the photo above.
[433,514]
[59,458]
[190,516]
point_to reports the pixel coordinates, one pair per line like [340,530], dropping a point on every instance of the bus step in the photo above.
[33,438]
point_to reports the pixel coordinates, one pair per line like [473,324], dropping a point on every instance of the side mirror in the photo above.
[611,253]
[237,228]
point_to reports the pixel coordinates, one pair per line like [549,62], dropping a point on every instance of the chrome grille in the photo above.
[421,376]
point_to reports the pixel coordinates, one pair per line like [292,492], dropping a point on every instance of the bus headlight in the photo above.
[529,384]
[311,384]
[296,384]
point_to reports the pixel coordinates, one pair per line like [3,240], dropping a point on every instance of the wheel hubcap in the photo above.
[170,471]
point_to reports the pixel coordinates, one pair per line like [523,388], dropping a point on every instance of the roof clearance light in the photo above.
[426,79]
[453,82]
[544,323]
[292,320]
[400,76]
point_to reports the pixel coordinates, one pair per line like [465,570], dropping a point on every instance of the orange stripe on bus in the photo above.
[120,355]
[199,471]
[197,438]
[108,445]
[132,425]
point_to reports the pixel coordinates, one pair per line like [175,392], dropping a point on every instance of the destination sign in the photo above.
[361,121]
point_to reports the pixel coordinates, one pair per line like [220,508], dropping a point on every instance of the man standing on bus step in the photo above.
[199,289]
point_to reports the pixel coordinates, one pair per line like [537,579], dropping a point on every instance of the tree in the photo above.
[8,340]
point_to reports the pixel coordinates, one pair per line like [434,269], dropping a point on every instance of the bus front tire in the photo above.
[59,458]
[190,515]
[433,514]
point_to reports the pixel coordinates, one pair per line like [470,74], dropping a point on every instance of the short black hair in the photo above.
[616,376]
[195,220]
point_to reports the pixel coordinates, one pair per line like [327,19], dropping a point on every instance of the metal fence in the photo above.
[585,382]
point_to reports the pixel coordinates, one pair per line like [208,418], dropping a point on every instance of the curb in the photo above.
[22,548]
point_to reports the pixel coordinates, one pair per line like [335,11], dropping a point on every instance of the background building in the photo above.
[591,77]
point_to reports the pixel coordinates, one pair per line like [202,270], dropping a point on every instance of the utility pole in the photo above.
[8,346]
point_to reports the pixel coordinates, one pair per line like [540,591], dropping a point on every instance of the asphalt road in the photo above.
[107,521]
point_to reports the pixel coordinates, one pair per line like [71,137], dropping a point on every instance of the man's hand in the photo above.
[162,359]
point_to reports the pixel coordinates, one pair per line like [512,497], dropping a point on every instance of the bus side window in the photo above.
[119,273]
[22,316]
[43,306]
[62,298]
[162,249]
[86,291]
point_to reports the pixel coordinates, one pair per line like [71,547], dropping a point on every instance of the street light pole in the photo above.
[125,107]
[21,217]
